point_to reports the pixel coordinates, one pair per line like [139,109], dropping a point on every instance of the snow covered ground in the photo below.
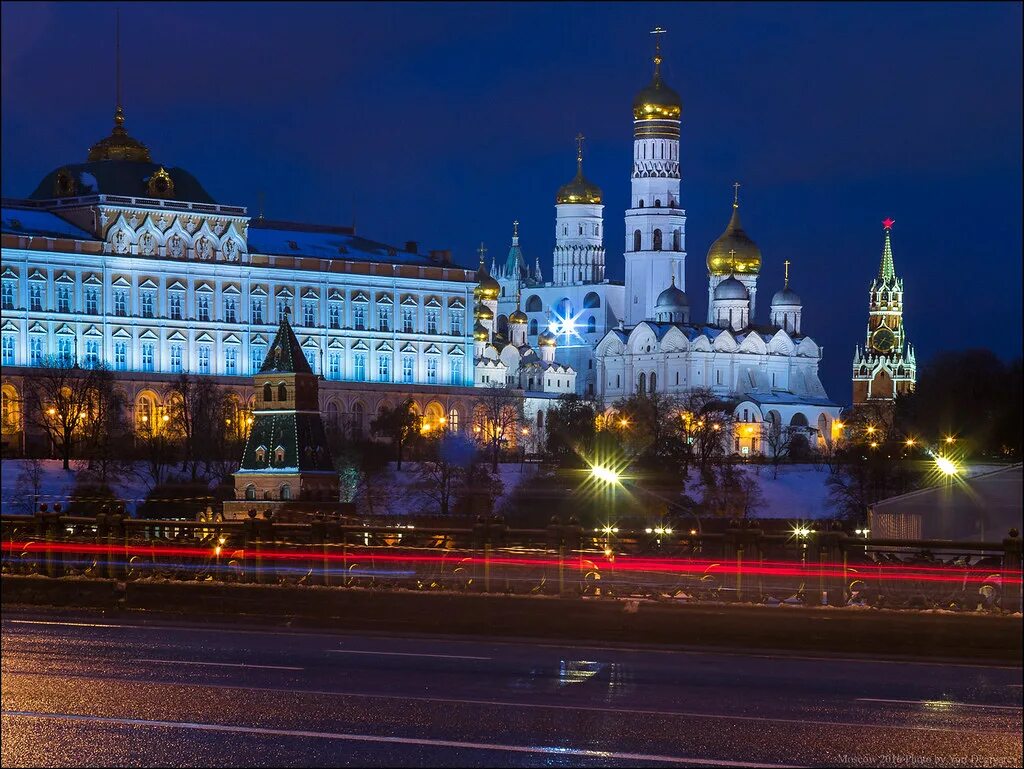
[799,492]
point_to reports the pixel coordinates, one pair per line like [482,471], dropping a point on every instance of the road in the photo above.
[82,690]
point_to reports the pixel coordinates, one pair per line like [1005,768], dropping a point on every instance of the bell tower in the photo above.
[655,248]
[886,366]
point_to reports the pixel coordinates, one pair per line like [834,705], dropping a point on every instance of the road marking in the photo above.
[219,664]
[420,741]
[939,703]
[509,704]
[775,655]
[410,654]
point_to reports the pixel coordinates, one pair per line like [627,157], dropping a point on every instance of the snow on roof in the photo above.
[325,242]
[33,222]
[783,398]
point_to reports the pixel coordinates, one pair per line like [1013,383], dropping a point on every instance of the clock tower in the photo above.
[886,366]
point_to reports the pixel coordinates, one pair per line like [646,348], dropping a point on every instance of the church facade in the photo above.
[766,374]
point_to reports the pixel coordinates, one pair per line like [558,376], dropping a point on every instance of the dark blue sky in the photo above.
[444,122]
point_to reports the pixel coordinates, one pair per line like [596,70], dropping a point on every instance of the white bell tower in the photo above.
[655,248]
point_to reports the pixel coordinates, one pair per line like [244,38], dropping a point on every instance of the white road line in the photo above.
[410,654]
[421,741]
[219,664]
[508,704]
[939,703]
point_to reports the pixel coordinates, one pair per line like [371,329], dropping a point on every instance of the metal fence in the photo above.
[741,564]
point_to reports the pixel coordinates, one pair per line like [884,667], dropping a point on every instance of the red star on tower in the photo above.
[888,222]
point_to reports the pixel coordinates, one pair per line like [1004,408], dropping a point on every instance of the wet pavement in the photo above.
[82,690]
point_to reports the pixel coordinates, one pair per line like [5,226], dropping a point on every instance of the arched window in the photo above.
[533,326]
[533,304]
[540,420]
[591,300]
[564,308]
[250,492]
[641,383]
[677,240]
[657,203]
[657,240]
[357,419]
[453,420]
[591,325]
[581,229]
[503,325]
[145,414]
[652,382]
[332,415]
[261,455]
[636,234]
[798,420]
[282,392]
[279,455]
[286,491]
[268,393]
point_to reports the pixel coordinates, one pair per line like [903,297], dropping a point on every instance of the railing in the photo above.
[742,564]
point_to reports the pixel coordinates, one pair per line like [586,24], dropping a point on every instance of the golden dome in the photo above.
[547,339]
[486,286]
[579,190]
[734,252]
[119,145]
[483,312]
[479,332]
[518,317]
[657,101]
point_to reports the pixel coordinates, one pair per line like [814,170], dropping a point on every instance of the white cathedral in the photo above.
[617,340]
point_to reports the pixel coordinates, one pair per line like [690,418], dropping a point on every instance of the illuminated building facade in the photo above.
[886,366]
[126,262]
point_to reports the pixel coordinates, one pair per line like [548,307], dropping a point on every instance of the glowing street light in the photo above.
[946,465]
[911,442]
[604,474]
[950,439]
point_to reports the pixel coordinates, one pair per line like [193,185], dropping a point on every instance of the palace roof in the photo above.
[33,222]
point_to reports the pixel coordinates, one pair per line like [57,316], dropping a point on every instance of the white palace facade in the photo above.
[125,262]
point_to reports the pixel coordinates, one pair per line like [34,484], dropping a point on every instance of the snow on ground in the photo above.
[799,492]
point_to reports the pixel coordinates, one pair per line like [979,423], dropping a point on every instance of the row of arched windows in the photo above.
[657,241]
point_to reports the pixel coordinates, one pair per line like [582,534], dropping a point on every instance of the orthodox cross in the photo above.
[787,273]
[732,257]
[515,229]
[735,194]
[482,251]
[657,32]
[579,152]
[261,205]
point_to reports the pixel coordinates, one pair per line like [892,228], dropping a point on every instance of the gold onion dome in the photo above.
[579,190]
[518,317]
[657,101]
[734,251]
[119,145]
[483,312]
[546,339]
[486,286]
[480,332]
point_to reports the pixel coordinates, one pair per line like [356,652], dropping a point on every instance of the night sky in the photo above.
[442,123]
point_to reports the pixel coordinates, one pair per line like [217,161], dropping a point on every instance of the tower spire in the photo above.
[887,270]
[657,32]
[735,194]
[515,232]
[786,284]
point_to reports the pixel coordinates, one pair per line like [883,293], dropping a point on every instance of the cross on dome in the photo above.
[786,263]
[482,251]
[735,194]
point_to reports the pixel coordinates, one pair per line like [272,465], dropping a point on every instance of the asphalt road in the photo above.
[80,690]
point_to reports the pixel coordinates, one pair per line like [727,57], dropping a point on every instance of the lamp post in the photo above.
[610,480]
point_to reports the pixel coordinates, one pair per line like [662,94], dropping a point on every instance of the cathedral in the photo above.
[765,373]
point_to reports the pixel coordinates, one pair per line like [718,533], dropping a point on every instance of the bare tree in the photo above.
[498,419]
[63,399]
[401,424]
[29,486]
[779,439]
[195,408]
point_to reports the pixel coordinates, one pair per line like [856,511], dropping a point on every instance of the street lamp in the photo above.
[605,474]
[946,465]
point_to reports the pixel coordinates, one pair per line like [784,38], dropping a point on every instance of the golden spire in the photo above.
[786,263]
[119,145]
